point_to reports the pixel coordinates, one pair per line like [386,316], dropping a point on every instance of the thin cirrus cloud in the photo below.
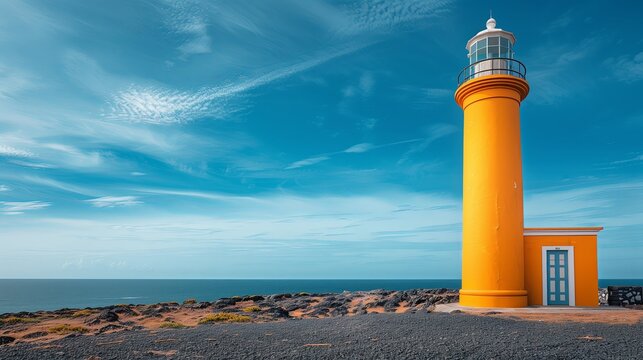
[185,19]
[359,148]
[114,201]
[10,151]
[289,225]
[433,133]
[19,207]
[628,69]
[381,15]
[355,149]
[156,105]
[307,162]
[163,105]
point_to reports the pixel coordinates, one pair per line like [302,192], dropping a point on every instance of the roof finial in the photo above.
[490,14]
[491,23]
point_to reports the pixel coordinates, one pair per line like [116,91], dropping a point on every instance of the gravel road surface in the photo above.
[372,336]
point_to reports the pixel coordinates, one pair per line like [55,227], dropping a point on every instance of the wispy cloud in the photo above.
[354,149]
[561,22]
[359,148]
[630,160]
[553,67]
[156,105]
[628,69]
[36,153]
[200,41]
[19,207]
[195,194]
[364,86]
[438,93]
[6,150]
[582,206]
[307,162]
[114,201]
[279,228]
[187,19]
[53,184]
[165,105]
[15,81]
[382,15]
[434,133]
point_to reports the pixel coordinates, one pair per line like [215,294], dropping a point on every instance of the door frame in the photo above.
[570,273]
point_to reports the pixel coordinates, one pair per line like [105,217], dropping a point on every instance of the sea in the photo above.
[46,294]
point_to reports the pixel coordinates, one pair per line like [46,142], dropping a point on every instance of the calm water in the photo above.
[32,295]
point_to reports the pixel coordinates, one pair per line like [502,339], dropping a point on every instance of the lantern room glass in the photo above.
[491,47]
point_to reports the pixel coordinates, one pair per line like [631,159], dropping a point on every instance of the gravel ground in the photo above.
[372,336]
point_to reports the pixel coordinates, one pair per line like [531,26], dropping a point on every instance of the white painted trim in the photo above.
[571,274]
[559,232]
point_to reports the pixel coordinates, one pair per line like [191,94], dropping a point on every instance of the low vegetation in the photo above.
[189,301]
[82,313]
[64,329]
[11,320]
[171,325]
[224,317]
[251,309]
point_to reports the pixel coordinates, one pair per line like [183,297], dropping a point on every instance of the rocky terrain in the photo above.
[47,326]
[418,335]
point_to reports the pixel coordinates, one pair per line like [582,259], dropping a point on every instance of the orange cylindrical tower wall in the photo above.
[492,234]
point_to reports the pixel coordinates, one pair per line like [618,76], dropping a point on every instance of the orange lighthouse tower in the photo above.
[490,91]
[505,264]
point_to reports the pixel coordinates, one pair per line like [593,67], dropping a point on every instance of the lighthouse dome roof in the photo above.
[491,30]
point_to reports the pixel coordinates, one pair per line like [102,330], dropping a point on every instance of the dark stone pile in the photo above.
[625,295]
[602,296]
[283,306]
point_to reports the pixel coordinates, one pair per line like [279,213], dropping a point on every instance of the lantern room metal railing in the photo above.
[493,66]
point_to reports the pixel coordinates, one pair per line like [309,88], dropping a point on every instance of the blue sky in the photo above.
[298,139]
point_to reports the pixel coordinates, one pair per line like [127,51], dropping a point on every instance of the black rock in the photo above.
[107,315]
[360,311]
[6,340]
[432,299]
[280,296]
[317,311]
[392,304]
[223,302]
[93,321]
[266,303]
[109,327]
[417,300]
[277,312]
[124,310]
[332,303]
[339,311]
[377,303]
[381,292]
[292,306]
[199,305]
[151,312]
[254,298]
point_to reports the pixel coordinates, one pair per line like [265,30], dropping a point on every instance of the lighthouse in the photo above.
[503,263]
[490,91]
